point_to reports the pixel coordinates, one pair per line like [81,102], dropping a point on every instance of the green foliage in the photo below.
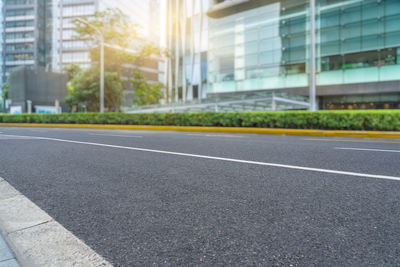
[119,32]
[84,90]
[6,88]
[382,120]
[145,93]
[72,70]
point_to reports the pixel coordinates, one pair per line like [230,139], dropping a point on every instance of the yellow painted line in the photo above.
[217,135]
[117,135]
[352,141]
[324,133]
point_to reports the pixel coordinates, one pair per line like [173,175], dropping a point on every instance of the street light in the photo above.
[101,61]
[313,104]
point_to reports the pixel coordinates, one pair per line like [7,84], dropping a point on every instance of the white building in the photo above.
[67,49]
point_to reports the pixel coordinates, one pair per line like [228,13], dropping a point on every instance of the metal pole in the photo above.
[29,109]
[101,61]
[313,104]
[57,106]
[60,63]
[102,74]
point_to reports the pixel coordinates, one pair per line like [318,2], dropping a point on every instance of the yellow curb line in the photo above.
[324,133]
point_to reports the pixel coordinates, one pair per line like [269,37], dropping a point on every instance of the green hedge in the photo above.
[384,120]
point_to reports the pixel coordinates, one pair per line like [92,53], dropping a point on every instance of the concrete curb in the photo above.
[37,239]
[299,132]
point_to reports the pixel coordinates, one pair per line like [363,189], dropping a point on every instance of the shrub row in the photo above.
[383,120]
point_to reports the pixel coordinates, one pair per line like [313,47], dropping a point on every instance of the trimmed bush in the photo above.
[382,120]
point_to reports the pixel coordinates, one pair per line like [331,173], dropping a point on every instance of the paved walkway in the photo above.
[7,258]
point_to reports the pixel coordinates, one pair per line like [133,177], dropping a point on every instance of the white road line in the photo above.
[351,140]
[365,175]
[368,149]
[117,135]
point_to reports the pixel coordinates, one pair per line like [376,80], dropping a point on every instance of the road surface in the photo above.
[141,198]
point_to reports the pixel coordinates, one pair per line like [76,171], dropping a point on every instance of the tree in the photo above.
[120,32]
[4,96]
[84,90]
[72,70]
[145,93]
[6,88]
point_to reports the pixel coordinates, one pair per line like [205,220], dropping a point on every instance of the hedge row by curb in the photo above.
[378,120]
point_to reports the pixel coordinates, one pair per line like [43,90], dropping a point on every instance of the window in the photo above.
[19,57]
[21,46]
[18,24]
[19,35]
[19,12]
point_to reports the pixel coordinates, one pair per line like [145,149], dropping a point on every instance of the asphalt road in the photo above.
[220,199]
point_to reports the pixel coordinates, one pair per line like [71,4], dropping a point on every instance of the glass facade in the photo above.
[1,53]
[197,35]
[19,45]
[187,41]
[27,33]
[66,48]
[268,47]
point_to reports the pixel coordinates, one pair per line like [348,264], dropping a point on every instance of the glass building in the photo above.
[1,53]
[187,42]
[265,45]
[27,33]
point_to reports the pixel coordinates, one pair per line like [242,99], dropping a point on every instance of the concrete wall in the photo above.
[37,85]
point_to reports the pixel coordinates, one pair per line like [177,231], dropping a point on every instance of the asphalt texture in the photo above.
[138,208]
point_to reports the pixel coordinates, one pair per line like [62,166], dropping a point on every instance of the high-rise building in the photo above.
[264,46]
[68,49]
[187,41]
[1,53]
[26,35]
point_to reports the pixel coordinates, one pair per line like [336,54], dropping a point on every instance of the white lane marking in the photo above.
[351,140]
[117,135]
[368,149]
[365,175]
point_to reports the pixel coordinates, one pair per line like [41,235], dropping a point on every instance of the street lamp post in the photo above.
[101,61]
[313,104]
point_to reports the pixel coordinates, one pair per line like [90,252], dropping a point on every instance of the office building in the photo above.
[70,50]
[67,49]
[263,46]
[187,41]
[1,55]
[26,34]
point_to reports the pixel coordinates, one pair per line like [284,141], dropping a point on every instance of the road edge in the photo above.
[271,131]
[36,239]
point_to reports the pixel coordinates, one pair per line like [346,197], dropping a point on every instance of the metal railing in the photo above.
[256,101]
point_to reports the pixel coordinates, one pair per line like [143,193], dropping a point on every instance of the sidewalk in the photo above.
[7,258]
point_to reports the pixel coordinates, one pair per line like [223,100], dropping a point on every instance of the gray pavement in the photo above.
[7,258]
[141,207]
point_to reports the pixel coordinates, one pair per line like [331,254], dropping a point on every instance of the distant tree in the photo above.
[84,90]
[118,31]
[4,96]
[72,70]
[145,93]
[6,88]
